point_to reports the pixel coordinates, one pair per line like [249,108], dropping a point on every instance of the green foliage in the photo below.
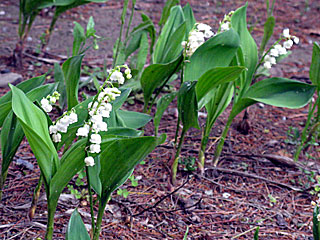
[76,228]
[168,46]
[315,65]
[316,225]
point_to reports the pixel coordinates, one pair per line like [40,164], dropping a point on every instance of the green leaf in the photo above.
[116,104]
[218,51]
[143,52]
[188,105]
[156,75]
[267,34]
[119,159]
[134,38]
[59,78]
[25,86]
[162,105]
[219,101]
[11,137]
[78,38]
[279,92]
[315,65]
[123,131]
[190,20]
[71,70]
[166,11]
[12,132]
[133,119]
[90,28]
[247,43]
[173,27]
[71,162]
[76,228]
[213,78]
[94,176]
[35,127]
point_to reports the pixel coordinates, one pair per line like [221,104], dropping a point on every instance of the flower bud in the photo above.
[89,161]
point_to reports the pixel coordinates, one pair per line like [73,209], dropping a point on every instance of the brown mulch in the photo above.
[248,191]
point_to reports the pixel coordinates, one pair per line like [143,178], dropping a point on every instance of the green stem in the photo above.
[221,142]
[3,177]
[305,130]
[118,45]
[130,21]
[90,199]
[102,205]
[174,166]
[51,211]
[177,132]
[35,198]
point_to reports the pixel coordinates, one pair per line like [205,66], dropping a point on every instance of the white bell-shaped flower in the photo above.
[89,161]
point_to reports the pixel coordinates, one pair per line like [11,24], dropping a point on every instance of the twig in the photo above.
[161,199]
[230,171]
[178,209]
[241,234]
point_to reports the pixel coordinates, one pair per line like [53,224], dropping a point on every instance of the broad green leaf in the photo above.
[188,105]
[173,48]
[94,176]
[76,228]
[119,159]
[123,131]
[247,43]
[213,78]
[25,86]
[78,38]
[143,52]
[219,101]
[90,28]
[218,51]
[71,70]
[133,119]
[190,20]
[35,127]
[12,132]
[156,75]
[268,31]
[72,162]
[11,137]
[174,22]
[59,78]
[166,11]
[279,92]
[162,105]
[315,65]
[116,104]
[134,38]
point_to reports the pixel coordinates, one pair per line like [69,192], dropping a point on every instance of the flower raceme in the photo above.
[196,38]
[46,103]
[277,50]
[100,108]
[62,124]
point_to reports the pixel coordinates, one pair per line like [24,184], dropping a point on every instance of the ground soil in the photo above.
[245,193]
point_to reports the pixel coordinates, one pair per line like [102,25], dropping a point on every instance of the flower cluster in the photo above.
[278,50]
[196,38]
[46,103]
[62,124]
[117,75]
[225,25]
[101,108]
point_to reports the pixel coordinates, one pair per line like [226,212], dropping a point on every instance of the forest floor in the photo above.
[245,191]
